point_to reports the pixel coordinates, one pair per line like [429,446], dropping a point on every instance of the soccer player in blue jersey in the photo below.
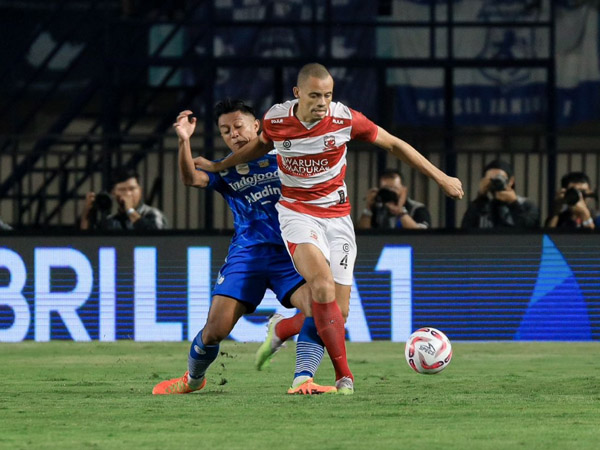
[257,258]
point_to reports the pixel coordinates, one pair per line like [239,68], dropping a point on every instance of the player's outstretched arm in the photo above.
[184,127]
[249,152]
[407,153]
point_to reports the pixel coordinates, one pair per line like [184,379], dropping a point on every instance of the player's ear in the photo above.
[296,92]
[256,124]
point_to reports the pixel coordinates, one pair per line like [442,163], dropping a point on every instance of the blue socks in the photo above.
[201,356]
[309,350]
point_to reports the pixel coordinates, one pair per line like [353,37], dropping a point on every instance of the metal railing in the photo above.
[52,193]
[121,118]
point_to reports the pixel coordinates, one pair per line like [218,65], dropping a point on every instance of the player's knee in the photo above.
[323,289]
[212,335]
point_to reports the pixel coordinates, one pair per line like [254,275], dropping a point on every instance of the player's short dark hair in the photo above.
[232,105]
[574,177]
[499,164]
[123,174]
[315,70]
[390,173]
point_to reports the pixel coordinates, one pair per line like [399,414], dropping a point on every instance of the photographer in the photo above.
[132,213]
[497,204]
[388,206]
[574,204]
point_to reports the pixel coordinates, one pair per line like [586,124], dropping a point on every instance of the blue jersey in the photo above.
[252,190]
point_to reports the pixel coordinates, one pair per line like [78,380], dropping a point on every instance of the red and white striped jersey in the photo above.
[312,162]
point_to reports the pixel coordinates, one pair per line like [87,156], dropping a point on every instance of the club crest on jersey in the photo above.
[242,169]
[263,163]
[329,141]
[287,143]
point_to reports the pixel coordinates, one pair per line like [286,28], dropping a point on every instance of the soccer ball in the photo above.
[428,351]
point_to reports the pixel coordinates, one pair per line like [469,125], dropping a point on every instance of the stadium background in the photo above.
[91,85]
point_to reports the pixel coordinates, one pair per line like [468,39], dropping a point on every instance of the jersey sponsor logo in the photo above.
[242,169]
[329,141]
[304,166]
[257,178]
[263,163]
[276,120]
[338,121]
[260,195]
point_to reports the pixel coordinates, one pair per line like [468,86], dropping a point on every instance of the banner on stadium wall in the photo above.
[158,288]
[353,86]
[496,96]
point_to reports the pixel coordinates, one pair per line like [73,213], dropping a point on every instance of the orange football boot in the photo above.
[176,386]
[309,387]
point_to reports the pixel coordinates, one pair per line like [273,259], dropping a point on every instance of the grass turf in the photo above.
[493,395]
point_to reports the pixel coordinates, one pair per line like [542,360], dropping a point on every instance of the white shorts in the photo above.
[334,237]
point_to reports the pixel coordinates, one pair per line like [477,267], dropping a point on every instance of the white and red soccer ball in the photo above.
[428,351]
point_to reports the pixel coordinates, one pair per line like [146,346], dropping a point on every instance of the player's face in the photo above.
[314,97]
[237,129]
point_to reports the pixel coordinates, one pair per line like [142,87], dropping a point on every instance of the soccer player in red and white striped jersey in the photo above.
[310,135]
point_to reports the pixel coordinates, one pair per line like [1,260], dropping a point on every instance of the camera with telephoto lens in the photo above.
[572,196]
[498,184]
[100,210]
[381,213]
[103,202]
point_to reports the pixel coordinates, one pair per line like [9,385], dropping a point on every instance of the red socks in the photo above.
[286,328]
[330,325]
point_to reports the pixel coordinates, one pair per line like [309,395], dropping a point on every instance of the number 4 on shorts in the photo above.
[344,262]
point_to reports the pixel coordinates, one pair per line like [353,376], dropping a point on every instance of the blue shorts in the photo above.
[248,272]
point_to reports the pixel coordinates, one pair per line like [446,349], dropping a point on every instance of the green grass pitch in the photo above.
[492,396]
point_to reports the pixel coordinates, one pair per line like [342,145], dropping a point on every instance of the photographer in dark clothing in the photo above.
[388,206]
[497,204]
[574,204]
[132,213]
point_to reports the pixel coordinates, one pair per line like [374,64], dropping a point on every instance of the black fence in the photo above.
[52,193]
[92,85]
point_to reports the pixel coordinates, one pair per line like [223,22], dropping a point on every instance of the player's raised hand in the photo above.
[452,187]
[185,124]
